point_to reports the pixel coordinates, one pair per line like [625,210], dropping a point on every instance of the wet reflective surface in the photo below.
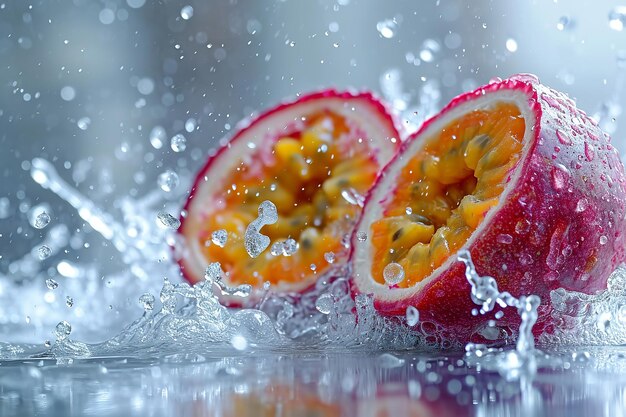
[312,384]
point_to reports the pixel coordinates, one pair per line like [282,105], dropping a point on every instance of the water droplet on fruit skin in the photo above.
[581,205]
[589,152]
[603,240]
[563,138]
[505,238]
[393,274]
[412,316]
[560,176]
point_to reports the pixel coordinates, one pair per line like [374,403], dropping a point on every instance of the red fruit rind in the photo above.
[254,138]
[563,206]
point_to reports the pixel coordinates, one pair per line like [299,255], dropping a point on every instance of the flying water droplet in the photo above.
[83,123]
[178,143]
[213,272]
[147,301]
[511,45]
[157,137]
[69,301]
[52,284]
[254,241]
[329,257]
[361,236]
[393,274]
[565,23]
[44,252]
[62,330]
[617,18]
[186,12]
[42,220]
[167,220]
[387,28]
[219,237]
[324,303]
[168,181]
[412,316]
[190,125]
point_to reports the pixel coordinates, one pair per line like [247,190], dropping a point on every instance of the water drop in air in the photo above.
[617,18]
[44,252]
[83,123]
[329,257]
[219,237]
[157,137]
[52,284]
[167,220]
[361,236]
[186,12]
[69,301]
[42,220]
[387,28]
[168,181]
[62,330]
[565,23]
[147,301]
[393,273]
[178,143]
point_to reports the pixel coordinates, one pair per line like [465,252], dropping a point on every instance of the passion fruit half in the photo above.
[514,173]
[314,159]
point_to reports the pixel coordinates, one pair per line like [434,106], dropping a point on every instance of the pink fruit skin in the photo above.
[566,217]
[384,114]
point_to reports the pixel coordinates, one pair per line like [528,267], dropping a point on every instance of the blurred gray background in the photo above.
[83,83]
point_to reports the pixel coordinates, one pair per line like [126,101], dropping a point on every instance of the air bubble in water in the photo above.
[387,28]
[178,142]
[361,236]
[219,237]
[147,301]
[617,18]
[329,257]
[157,137]
[412,316]
[52,284]
[393,273]
[168,181]
[62,330]
[186,12]
[167,220]
[42,220]
[44,252]
[324,303]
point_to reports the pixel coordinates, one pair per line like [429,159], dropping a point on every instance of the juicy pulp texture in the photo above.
[313,174]
[444,192]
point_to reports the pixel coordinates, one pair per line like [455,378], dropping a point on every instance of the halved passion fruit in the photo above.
[313,158]
[514,173]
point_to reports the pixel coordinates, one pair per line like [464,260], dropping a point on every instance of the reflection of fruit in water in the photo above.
[515,173]
[278,400]
[313,159]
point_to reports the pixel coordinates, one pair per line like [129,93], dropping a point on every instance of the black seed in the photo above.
[396,235]
[306,244]
[482,140]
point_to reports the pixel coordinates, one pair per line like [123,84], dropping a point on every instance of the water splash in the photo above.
[254,241]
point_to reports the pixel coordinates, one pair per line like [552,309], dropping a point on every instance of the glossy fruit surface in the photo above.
[514,173]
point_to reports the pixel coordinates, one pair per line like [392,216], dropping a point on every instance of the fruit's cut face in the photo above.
[314,159]
[514,173]
[443,193]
